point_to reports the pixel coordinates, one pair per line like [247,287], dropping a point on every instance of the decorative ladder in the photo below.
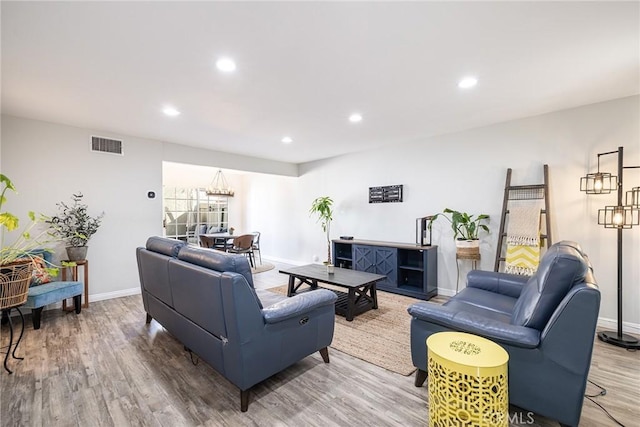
[524,192]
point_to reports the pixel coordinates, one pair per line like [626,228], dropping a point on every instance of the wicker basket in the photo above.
[15,279]
[468,249]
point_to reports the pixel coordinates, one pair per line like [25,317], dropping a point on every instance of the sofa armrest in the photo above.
[518,336]
[298,304]
[500,283]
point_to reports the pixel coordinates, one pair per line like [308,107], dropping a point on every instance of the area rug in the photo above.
[380,337]
[261,268]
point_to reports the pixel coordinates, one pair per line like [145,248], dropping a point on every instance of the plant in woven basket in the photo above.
[27,239]
[464,226]
[17,256]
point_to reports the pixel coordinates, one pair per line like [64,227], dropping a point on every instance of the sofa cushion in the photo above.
[487,300]
[268,298]
[217,260]
[465,307]
[561,267]
[53,292]
[164,246]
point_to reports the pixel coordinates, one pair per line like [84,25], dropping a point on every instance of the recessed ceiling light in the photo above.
[467,82]
[287,140]
[355,118]
[226,64]
[170,111]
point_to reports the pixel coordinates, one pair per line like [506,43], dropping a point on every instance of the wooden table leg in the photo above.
[374,295]
[292,281]
[350,304]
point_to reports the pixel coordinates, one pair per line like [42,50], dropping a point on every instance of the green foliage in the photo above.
[26,241]
[463,225]
[73,223]
[322,207]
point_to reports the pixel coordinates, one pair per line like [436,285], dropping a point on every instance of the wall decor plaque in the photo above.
[386,194]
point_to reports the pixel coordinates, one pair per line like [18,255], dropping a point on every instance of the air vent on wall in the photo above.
[106,145]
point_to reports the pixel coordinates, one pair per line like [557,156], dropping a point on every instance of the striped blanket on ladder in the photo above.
[523,237]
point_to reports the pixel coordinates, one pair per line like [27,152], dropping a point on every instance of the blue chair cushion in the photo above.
[53,292]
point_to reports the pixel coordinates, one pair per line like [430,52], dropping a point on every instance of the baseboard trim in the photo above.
[612,324]
[446,292]
[115,294]
[285,261]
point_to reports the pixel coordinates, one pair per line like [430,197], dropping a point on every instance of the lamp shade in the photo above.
[633,198]
[618,217]
[598,183]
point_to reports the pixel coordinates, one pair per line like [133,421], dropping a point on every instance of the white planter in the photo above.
[475,243]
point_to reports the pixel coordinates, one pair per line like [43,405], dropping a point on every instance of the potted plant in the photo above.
[75,226]
[16,257]
[322,207]
[465,229]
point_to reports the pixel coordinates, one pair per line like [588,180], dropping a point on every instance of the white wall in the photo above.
[465,171]
[49,162]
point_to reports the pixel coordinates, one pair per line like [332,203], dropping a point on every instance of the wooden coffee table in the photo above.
[361,286]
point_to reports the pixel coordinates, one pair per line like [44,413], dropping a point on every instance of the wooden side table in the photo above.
[74,276]
[474,258]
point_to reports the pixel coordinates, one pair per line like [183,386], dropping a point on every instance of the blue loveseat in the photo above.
[206,299]
[545,322]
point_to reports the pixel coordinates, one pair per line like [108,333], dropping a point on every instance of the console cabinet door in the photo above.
[364,258]
[386,260]
[378,260]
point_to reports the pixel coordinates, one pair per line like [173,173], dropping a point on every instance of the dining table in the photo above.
[223,241]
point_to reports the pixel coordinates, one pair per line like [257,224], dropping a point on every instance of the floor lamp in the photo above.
[620,217]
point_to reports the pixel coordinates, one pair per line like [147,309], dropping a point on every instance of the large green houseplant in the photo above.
[17,256]
[75,226]
[29,239]
[322,207]
[466,228]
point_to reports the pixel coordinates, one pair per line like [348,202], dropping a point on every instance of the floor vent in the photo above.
[106,145]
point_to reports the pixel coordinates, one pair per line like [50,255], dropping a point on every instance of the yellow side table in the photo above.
[468,383]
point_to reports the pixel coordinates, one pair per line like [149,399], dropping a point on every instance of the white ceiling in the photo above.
[303,67]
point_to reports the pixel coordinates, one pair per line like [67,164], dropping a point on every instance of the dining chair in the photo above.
[256,244]
[243,245]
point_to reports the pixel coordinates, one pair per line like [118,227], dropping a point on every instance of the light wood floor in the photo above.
[107,367]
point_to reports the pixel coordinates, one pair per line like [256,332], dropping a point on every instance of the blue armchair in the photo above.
[545,322]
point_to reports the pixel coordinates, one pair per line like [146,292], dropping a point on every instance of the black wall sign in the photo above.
[386,194]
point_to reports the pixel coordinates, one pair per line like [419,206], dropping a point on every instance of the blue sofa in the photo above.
[206,299]
[545,322]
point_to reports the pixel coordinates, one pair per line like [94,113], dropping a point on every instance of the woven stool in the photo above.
[468,384]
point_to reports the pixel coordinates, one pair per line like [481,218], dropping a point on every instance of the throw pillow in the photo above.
[40,275]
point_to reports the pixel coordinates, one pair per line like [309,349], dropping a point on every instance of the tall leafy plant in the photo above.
[322,207]
[28,240]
